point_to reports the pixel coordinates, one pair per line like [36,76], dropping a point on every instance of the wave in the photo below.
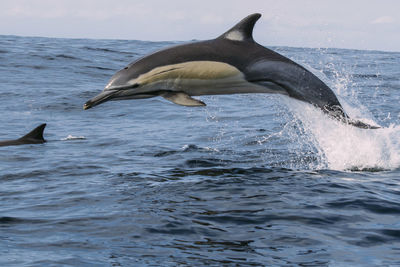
[64,56]
[107,50]
[6,220]
[344,147]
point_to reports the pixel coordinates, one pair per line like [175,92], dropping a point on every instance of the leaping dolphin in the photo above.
[233,63]
[33,137]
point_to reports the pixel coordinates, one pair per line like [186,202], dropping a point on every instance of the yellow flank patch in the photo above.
[202,70]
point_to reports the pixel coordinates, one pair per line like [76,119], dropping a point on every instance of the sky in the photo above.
[354,24]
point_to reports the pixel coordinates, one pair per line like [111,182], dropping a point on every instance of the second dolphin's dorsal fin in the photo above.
[243,31]
[35,135]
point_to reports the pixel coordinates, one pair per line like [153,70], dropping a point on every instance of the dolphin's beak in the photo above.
[100,98]
[117,92]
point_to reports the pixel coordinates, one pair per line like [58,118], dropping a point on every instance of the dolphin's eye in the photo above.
[126,68]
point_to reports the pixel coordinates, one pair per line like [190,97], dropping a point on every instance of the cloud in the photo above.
[293,23]
[211,19]
[384,20]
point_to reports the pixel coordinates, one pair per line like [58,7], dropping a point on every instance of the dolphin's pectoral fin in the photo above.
[182,99]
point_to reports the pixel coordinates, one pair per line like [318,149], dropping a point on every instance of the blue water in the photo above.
[249,180]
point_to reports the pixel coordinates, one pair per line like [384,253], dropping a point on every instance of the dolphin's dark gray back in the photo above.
[236,53]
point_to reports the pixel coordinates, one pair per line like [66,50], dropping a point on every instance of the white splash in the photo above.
[71,137]
[344,147]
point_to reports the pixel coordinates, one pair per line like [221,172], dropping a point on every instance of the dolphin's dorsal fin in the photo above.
[35,134]
[243,31]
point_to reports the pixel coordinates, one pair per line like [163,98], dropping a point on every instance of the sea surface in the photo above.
[248,180]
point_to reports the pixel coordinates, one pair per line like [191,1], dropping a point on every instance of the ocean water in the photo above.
[249,180]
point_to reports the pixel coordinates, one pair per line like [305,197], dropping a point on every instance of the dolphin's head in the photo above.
[123,85]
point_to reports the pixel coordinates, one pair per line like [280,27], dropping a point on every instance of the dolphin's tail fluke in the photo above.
[337,112]
[361,124]
[35,136]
